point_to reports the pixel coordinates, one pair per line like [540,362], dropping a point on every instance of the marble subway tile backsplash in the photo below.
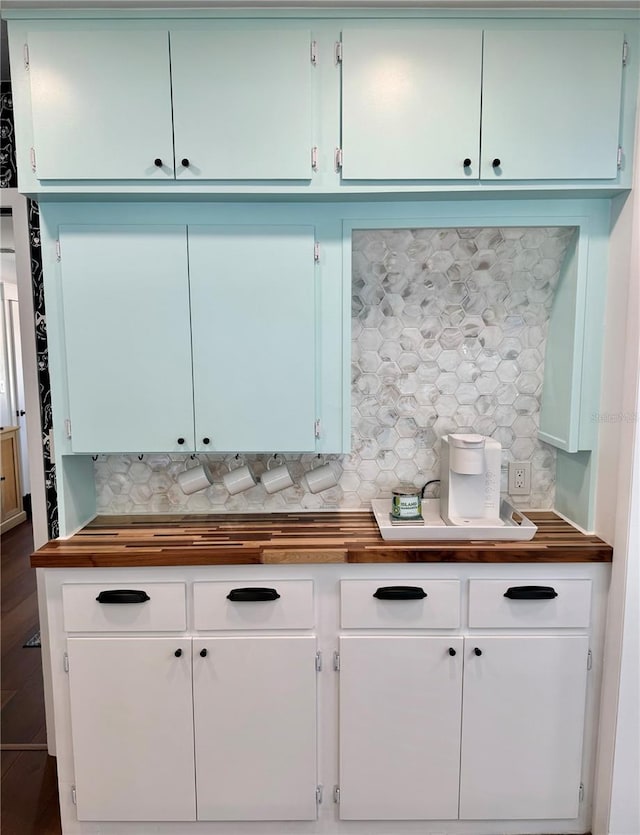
[448,334]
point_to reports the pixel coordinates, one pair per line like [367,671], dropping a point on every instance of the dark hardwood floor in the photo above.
[28,783]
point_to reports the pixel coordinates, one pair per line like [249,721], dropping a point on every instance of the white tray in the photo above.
[513,525]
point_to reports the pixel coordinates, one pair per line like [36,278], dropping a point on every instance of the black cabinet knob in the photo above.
[452,651]
[157,162]
[185,162]
[203,653]
[180,441]
[466,162]
[206,441]
[178,653]
[477,651]
[496,163]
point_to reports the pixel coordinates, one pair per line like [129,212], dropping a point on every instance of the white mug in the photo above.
[277,479]
[194,479]
[322,478]
[239,479]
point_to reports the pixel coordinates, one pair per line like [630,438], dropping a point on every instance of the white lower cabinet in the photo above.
[522,726]
[132,728]
[192,727]
[197,700]
[400,703]
[255,727]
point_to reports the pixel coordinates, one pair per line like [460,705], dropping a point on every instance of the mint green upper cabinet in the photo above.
[551,104]
[411,102]
[125,294]
[253,318]
[242,102]
[101,104]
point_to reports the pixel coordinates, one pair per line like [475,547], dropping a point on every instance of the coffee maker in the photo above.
[470,480]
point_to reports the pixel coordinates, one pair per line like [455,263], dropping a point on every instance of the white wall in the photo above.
[616,802]
[625,796]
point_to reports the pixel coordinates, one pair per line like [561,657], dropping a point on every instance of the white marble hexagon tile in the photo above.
[448,334]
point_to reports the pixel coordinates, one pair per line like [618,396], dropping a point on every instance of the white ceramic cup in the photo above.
[321,478]
[276,479]
[194,479]
[239,479]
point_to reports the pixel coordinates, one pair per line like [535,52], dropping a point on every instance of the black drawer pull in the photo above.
[477,651]
[452,651]
[250,595]
[203,653]
[531,593]
[122,596]
[400,593]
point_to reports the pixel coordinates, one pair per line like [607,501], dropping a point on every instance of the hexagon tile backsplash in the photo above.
[448,334]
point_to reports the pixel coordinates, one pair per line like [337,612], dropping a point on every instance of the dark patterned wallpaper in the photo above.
[42,357]
[8,173]
[9,179]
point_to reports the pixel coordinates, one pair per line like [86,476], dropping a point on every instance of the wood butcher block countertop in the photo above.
[334,537]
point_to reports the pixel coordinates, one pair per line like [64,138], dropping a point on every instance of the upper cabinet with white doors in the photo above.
[195,338]
[322,106]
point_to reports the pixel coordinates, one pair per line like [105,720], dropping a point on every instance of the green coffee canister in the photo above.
[406,502]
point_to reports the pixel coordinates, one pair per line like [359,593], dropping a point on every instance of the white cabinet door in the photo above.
[255,725]
[551,104]
[125,295]
[523,718]
[242,101]
[411,102]
[101,103]
[132,728]
[400,708]
[253,318]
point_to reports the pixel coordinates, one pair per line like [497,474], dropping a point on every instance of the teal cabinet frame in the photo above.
[322,106]
[572,421]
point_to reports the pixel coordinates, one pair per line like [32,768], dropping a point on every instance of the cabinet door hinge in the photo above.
[65,662]
[25,54]
[318,661]
[338,159]
[314,158]
[314,52]
[619,157]
[58,255]
[74,796]
[589,660]
[338,52]
[625,53]
[67,427]
[336,661]
[32,157]
[316,251]
[319,794]
[317,427]
[581,793]
[336,794]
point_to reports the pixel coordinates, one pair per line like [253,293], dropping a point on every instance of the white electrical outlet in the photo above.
[519,478]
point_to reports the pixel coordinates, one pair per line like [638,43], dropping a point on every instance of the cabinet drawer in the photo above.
[163,611]
[523,608]
[360,608]
[254,605]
